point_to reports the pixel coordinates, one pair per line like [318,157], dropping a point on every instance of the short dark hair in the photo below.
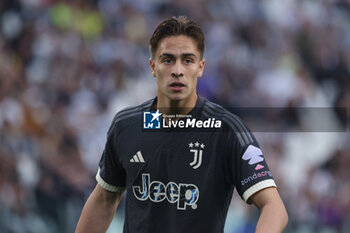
[175,26]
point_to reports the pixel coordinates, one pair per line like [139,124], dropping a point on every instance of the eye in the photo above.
[167,60]
[188,61]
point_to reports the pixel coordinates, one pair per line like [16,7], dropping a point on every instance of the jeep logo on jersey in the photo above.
[182,194]
[253,154]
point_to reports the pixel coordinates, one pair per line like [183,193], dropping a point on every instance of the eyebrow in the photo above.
[182,55]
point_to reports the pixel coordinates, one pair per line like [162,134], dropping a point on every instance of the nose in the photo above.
[177,70]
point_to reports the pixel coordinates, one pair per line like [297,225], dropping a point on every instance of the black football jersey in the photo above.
[181,180]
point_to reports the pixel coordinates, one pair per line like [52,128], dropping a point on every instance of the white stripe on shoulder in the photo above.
[257,187]
[107,186]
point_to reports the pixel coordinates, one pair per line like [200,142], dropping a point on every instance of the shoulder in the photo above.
[232,122]
[129,115]
[133,111]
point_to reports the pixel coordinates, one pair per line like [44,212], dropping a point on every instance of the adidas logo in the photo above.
[137,158]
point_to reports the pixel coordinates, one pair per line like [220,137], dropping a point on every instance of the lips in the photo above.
[177,86]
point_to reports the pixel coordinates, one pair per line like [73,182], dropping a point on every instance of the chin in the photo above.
[176,98]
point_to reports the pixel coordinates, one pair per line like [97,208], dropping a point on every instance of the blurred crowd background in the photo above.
[66,67]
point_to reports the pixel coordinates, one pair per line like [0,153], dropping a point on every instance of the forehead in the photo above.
[177,45]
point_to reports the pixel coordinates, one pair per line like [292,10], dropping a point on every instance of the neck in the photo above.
[168,106]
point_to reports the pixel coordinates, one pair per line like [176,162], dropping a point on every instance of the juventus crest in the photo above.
[197,150]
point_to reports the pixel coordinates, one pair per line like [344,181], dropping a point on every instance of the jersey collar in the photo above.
[194,111]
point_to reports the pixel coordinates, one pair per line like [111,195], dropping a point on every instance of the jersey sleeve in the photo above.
[249,170]
[111,174]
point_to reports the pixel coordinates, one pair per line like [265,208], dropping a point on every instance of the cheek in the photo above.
[195,75]
[162,73]
[199,73]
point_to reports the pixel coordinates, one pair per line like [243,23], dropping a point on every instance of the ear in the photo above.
[201,68]
[152,66]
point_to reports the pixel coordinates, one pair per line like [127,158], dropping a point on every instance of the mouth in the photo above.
[177,86]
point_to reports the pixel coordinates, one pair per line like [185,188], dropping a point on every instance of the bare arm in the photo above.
[273,217]
[98,211]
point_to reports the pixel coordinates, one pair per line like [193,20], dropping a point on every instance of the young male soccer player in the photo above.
[180,181]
